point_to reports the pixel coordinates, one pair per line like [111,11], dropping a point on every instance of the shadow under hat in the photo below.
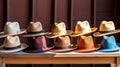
[106,28]
[58,29]
[83,28]
[11,28]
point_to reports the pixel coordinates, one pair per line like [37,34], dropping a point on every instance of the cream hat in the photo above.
[106,28]
[12,28]
[59,29]
[12,44]
[82,28]
[34,29]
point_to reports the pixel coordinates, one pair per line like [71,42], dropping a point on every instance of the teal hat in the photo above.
[108,44]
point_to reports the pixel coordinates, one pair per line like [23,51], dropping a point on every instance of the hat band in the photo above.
[11,48]
[35,32]
[107,31]
[62,47]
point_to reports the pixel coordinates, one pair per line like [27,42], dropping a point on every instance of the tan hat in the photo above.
[11,28]
[59,29]
[12,44]
[82,28]
[34,29]
[62,44]
[86,44]
[106,28]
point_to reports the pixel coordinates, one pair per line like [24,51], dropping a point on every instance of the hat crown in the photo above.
[62,41]
[85,42]
[107,26]
[34,27]
[12,28]
[59,29]
[11,41]
[108,42]
[82,27]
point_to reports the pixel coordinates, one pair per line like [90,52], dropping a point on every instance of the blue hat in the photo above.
[108,44]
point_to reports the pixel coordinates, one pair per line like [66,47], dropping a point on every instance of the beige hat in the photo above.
[59,29]
[34,29]
[12,44]
[11,28]
[106,28]
[82,28]
[63,44]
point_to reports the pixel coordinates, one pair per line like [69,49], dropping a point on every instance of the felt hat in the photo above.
[83,28]
[12,44]
[106,28]
[34,29]
[62,44]
[86,44]
[59,29]
[108,44]
[37,44]
[11,28]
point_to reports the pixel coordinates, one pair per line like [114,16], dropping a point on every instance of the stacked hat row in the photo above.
[62,43]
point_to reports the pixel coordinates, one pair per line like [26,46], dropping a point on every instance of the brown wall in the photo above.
[50,11]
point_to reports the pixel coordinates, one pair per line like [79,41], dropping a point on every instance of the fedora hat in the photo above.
[86,44]
[62,44]
[34,29]
[37,44]
[82,28]
[12,44]
[106,28]
[59,29]
[11,28]
[108,44]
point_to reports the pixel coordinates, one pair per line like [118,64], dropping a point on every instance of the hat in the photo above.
[11,28]
[62,44]
[108,44]
[86,44]
[37,44]
[12,44]
[82,28]
[34,29]
[106,28]
[59,29]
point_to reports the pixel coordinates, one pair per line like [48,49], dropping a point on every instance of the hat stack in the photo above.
[85,41]
[12,42]
[106,30]
[35,35]
[61,39]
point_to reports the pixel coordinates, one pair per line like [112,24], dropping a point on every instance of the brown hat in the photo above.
[82,28]
[86,44]
[34,29]
[106,28]
[59,29]
[62,44]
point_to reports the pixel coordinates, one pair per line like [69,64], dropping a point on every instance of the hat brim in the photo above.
[2,34]
[110,50]
[32,35]
[79,34]
[23,46]
[50,35]
[96,47]
[56,50]
[98,34]
[38,51]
